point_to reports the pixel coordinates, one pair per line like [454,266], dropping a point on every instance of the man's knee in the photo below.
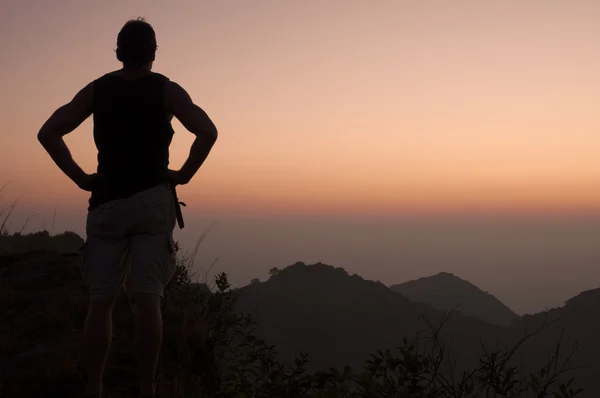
[147,303]
[102,305]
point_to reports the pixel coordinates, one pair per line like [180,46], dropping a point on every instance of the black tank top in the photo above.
[132,132]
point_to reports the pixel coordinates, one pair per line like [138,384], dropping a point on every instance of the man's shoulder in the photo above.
[172,87]
[107,75]
[161,76]
[102,80]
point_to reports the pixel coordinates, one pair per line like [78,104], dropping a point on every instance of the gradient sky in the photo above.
[355,106]
[337,107]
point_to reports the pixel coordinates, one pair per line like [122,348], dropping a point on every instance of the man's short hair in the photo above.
[136,43]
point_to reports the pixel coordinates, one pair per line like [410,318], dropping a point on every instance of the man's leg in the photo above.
[97,339]
[149,330]
[152,265]
[105,266]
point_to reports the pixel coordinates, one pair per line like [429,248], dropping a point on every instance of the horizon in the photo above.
[531,264]
[336,135]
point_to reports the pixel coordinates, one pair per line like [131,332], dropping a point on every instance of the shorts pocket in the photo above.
[98,219]
[156,207]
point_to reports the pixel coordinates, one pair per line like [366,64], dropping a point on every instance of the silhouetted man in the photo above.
[131,208]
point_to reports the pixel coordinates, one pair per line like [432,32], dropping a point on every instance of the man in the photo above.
[132,207]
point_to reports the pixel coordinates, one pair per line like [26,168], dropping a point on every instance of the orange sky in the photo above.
[343,106]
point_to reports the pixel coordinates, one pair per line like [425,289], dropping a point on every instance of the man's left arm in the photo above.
[63,121]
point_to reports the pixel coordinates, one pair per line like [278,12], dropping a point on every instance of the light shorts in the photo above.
[135,235]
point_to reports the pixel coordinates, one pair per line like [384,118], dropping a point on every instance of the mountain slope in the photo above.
[340,319]
[576,325]
[446,291]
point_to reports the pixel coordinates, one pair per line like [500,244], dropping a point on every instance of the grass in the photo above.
[5,213]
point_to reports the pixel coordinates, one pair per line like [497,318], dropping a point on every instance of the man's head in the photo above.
[136,44]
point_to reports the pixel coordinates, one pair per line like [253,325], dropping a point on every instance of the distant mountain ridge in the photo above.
[340,319]
[446,291]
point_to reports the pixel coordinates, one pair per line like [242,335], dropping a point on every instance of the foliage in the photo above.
[211,350]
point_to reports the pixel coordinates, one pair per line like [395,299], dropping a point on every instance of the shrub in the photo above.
[211,350]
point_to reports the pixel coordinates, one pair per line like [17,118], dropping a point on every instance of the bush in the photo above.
[211,350]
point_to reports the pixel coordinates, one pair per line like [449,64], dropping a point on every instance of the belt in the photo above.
[178,205]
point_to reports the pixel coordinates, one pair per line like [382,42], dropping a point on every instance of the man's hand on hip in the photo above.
[87,181]
[177,177]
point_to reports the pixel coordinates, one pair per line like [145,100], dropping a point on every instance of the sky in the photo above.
[333,111]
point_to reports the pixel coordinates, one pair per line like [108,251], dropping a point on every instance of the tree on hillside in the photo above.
[273,271]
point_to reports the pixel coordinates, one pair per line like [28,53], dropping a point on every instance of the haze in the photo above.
[393,138]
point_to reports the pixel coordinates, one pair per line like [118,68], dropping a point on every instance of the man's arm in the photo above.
[63,121]
[196,121]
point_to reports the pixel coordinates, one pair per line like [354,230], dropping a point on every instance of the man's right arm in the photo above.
[197,122]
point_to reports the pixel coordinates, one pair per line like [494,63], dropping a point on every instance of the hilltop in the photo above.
[340,319]
[445,291]
[66,242]
[209,348]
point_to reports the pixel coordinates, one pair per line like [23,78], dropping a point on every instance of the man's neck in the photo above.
[134,72]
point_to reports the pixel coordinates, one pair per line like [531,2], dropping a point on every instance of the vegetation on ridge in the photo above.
[212,350]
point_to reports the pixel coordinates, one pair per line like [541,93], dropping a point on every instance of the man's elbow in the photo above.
[43,136]
[214,135]
[211,136]
[47,136]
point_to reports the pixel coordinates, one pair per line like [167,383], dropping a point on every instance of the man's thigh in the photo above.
[153,263]
[106,249]
[105,265]
[152,246]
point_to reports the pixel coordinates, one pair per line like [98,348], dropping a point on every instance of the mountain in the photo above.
[576,324]
[335,317]
[340,319]
[446,291]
